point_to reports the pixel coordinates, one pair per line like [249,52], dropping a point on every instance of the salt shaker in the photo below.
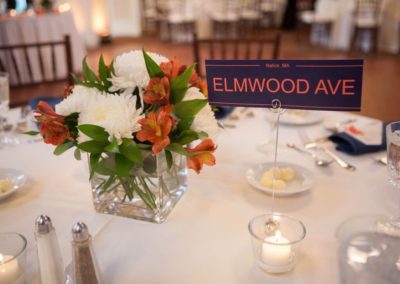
[49,254]
[84,265]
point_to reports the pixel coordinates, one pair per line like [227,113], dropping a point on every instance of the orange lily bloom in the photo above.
[157,91]
[206,149]
[44,112]
[172,68]
[54,132]
[156,128]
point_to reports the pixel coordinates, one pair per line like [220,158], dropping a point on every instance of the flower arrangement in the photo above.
[141,104]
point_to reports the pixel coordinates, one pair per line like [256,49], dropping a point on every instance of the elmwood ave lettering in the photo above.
[345,87]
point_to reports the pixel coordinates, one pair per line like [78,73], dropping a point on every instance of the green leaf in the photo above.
[177,148]
[184,124]
[202,134]
[123,165]
[131,150]
[98,86]
[95,132]
[112,69]
[92,146]
[144,146]
[168,157]
[32,133]
[179,85]
[113,146]
[102,169]
[62,148]
[77,154]
[152,67]
[103,71]
[93,160]
[189,108]
[75,79]
[187,136]
[88,74]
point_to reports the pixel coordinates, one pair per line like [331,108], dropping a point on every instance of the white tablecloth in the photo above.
[36,29]
[205,239]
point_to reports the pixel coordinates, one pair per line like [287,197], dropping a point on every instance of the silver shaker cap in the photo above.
[80,232]
[43,225]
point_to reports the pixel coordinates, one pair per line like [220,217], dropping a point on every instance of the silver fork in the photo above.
[310,144]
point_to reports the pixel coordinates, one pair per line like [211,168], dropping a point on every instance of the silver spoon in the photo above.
[318,161]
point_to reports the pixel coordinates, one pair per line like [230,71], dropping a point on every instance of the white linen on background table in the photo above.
[205,239]
[343,25]
[37,29]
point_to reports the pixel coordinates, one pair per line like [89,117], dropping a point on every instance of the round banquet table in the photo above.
[205,239]
[27,29]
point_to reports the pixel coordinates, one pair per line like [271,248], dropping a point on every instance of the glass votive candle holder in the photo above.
[12,258]
[276,239]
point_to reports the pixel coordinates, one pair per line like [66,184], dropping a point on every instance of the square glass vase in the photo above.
[148,193]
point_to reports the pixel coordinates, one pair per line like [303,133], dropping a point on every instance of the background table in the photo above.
[205,239]
[36,29]
[343,26]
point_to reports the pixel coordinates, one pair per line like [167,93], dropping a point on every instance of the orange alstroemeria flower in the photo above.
[54,132]
[44,113]
[172,68]
[206,149]
[157,91]
[156,128]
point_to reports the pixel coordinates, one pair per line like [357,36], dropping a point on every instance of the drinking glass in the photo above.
[4,92]
[12,258]
[5,139]
[393,152]
[391,225]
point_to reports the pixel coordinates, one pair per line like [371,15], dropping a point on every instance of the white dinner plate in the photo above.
[303,179]
[300,117]
[17,179]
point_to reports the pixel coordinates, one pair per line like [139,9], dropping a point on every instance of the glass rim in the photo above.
[291,242]
[24,240]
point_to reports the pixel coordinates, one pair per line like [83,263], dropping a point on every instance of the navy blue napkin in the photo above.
[350,145]
[223,111]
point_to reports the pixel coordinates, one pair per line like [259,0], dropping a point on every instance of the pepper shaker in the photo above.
[49,254]
[84,265]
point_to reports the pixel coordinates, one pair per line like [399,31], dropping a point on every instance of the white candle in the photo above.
[276,250]
[9,269]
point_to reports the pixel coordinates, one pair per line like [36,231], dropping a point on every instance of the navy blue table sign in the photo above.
[296,84]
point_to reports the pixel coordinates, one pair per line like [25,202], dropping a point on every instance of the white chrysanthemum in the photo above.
[80,99]
[205,119]
[117,114]
[130,70]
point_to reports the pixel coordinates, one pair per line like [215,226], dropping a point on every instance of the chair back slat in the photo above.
[28,64]
[41,49]
[248,48]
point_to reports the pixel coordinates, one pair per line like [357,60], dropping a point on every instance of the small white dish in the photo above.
[17,179]
[303,179]
[300,117]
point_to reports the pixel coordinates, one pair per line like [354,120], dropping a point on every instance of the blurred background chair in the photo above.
[366,25]
[249,48]
[321,20]
[250,16]
[225,18]
[27,75]
[181,20]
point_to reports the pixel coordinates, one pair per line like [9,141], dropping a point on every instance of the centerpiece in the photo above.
[142,120]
